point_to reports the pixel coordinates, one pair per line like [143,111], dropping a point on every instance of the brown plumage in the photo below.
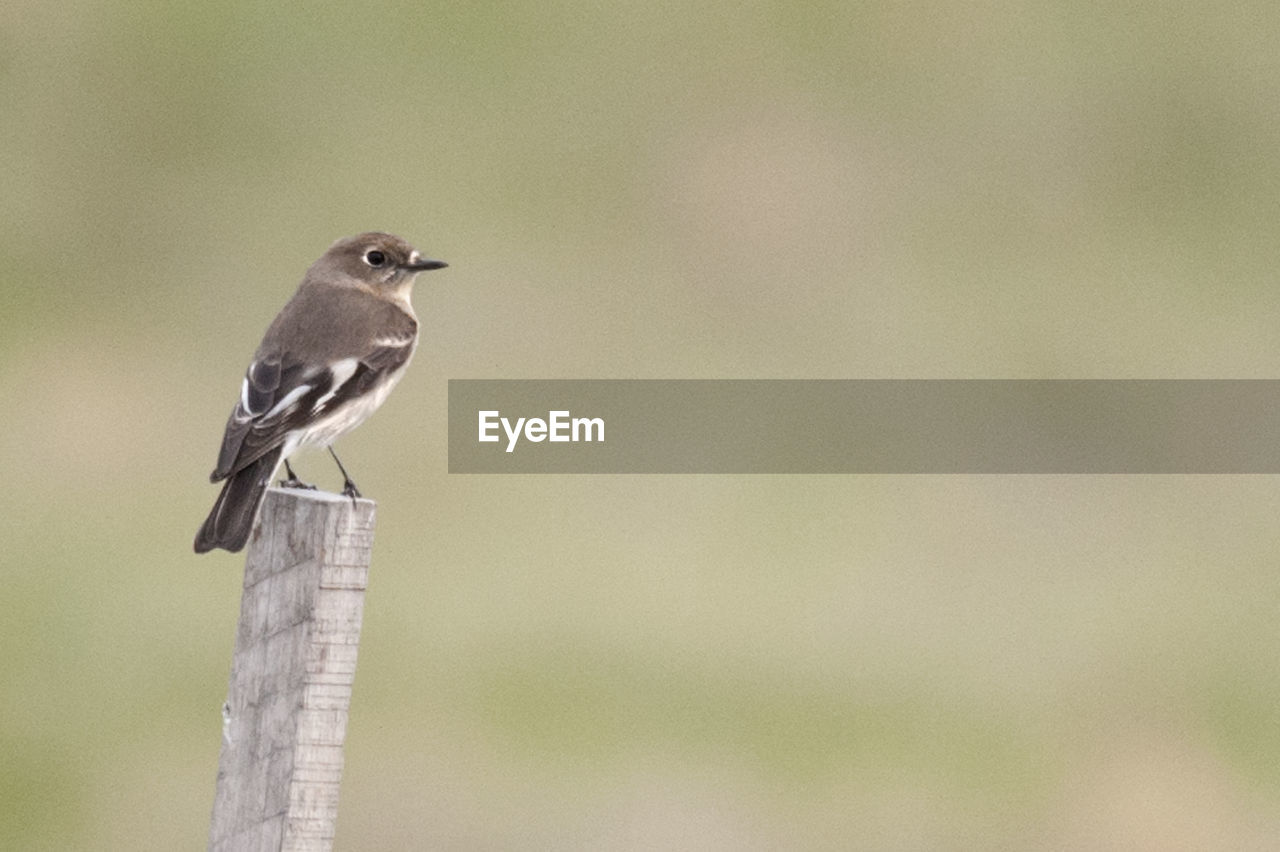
[326,363]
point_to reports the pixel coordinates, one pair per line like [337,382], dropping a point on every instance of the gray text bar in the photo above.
[864,426]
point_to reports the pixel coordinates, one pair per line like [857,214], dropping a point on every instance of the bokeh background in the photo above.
[664,190]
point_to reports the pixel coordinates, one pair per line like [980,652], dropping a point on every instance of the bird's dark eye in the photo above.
[375,258]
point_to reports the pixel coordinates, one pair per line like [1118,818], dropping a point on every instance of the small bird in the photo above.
[326,363]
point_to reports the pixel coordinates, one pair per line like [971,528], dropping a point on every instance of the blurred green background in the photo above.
[736,190]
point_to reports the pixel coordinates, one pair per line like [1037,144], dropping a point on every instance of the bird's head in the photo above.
[382,261]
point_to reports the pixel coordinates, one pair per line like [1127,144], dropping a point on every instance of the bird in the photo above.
[328,360]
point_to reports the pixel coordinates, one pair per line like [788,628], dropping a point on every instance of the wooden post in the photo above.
[285,718]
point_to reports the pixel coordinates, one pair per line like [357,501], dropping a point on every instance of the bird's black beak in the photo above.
[422,264]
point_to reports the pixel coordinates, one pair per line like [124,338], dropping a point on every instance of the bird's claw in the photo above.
[297,483]
[292,480]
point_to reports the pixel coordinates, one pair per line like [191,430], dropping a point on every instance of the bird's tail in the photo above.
[231,520]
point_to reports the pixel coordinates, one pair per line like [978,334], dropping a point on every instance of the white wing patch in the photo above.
[288,399]
[342,372]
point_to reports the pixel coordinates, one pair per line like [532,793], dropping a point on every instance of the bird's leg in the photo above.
[293,481]
[348,487]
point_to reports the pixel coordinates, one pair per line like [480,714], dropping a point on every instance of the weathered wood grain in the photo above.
[285,719]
